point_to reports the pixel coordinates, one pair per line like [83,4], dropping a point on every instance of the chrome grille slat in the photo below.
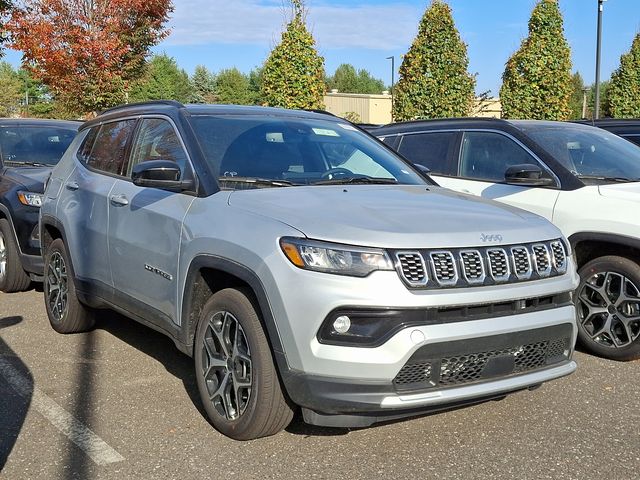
[559,256]
[472,266]
[412,267]
[444,267]
[541,259]
[521,262]
[498,264]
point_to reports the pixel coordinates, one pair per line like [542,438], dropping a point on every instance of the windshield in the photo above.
[34,145]
[588,152]
[254,151]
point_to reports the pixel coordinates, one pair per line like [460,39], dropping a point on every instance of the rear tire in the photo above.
[608,305]
[237,380]
[66,313]
[12,277]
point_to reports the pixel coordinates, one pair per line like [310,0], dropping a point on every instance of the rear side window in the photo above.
[109,149]
[34,144]
[487,155]
[428,149]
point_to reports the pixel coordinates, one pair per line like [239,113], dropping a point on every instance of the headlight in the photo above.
[334,258]
[30,198]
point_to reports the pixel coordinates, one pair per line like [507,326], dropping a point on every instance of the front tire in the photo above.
[608,305]
[66,313]
[237,380]
[12,276]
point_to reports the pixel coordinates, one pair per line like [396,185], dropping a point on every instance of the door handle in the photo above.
[73,186]
[119,200]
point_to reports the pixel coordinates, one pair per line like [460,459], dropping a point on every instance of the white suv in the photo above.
[585,180]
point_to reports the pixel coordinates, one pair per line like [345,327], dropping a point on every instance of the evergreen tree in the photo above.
[233,87]
[624,90]
[537,77]
[346,79]
[434,81]
[11,93]
[577,96]
[255,85]
[203,84]
[293,75]
[163,80]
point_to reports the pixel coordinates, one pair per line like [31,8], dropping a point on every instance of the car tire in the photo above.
[66,313]
[608,307]
[12,277]
[236,376]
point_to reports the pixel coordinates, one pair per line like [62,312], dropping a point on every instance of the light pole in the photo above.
[393,80]
[596,109]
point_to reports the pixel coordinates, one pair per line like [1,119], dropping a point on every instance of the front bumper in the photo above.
[440,375]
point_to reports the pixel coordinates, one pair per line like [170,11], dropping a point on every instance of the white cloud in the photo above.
[254,22]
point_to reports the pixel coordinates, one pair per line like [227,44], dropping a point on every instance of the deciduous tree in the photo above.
[87,51]
[10,91]
[233,87]
[624,90]
[537,77]
[293,75]
[346,79]
[434,81]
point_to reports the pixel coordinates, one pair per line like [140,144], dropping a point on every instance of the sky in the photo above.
[240,33]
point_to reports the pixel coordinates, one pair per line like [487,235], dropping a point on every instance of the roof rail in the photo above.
[171,103]
[317,110]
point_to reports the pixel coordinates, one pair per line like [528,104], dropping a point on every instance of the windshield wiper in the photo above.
[607,179]
[258,182]
[355,180]
[30,164]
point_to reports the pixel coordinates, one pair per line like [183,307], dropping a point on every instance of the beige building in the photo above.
[376,109]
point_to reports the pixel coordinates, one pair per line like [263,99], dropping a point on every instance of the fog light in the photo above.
[342,324]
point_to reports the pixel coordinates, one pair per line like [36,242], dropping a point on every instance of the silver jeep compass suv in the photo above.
[303,265]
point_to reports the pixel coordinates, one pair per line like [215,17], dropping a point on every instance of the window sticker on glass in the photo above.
[325,132]
[348,127]
[275,137]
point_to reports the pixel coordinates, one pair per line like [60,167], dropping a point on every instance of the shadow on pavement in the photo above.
[13,406]
[156,345]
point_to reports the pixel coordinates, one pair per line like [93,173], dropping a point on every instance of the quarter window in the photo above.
[109,150]
[157,140]
[428,149]
[487,155]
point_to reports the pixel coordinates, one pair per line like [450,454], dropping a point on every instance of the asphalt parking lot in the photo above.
[120,402]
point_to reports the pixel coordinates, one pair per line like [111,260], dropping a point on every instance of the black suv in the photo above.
[29,148]
[629,129]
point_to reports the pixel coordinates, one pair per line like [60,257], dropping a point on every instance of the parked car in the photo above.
[629,129]
[29,148]
[584,179]
[302,263]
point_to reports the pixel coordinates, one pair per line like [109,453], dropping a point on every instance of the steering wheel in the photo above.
[337,171]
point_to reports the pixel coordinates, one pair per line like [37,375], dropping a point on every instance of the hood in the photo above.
[391,216]
[622,191]
[32,178]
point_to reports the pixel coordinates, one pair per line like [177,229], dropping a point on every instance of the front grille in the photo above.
[511,355]
[542,260]
[446,268]
[412,266]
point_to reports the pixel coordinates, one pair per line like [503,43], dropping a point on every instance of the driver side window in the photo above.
[487,156]
[157,140]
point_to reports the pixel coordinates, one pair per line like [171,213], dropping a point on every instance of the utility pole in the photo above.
[596,109]
[393,80]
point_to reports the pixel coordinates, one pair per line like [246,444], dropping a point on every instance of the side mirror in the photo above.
[162,174]
[527,175]
[422,168]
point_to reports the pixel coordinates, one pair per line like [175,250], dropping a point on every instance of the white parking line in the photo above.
[96,448]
